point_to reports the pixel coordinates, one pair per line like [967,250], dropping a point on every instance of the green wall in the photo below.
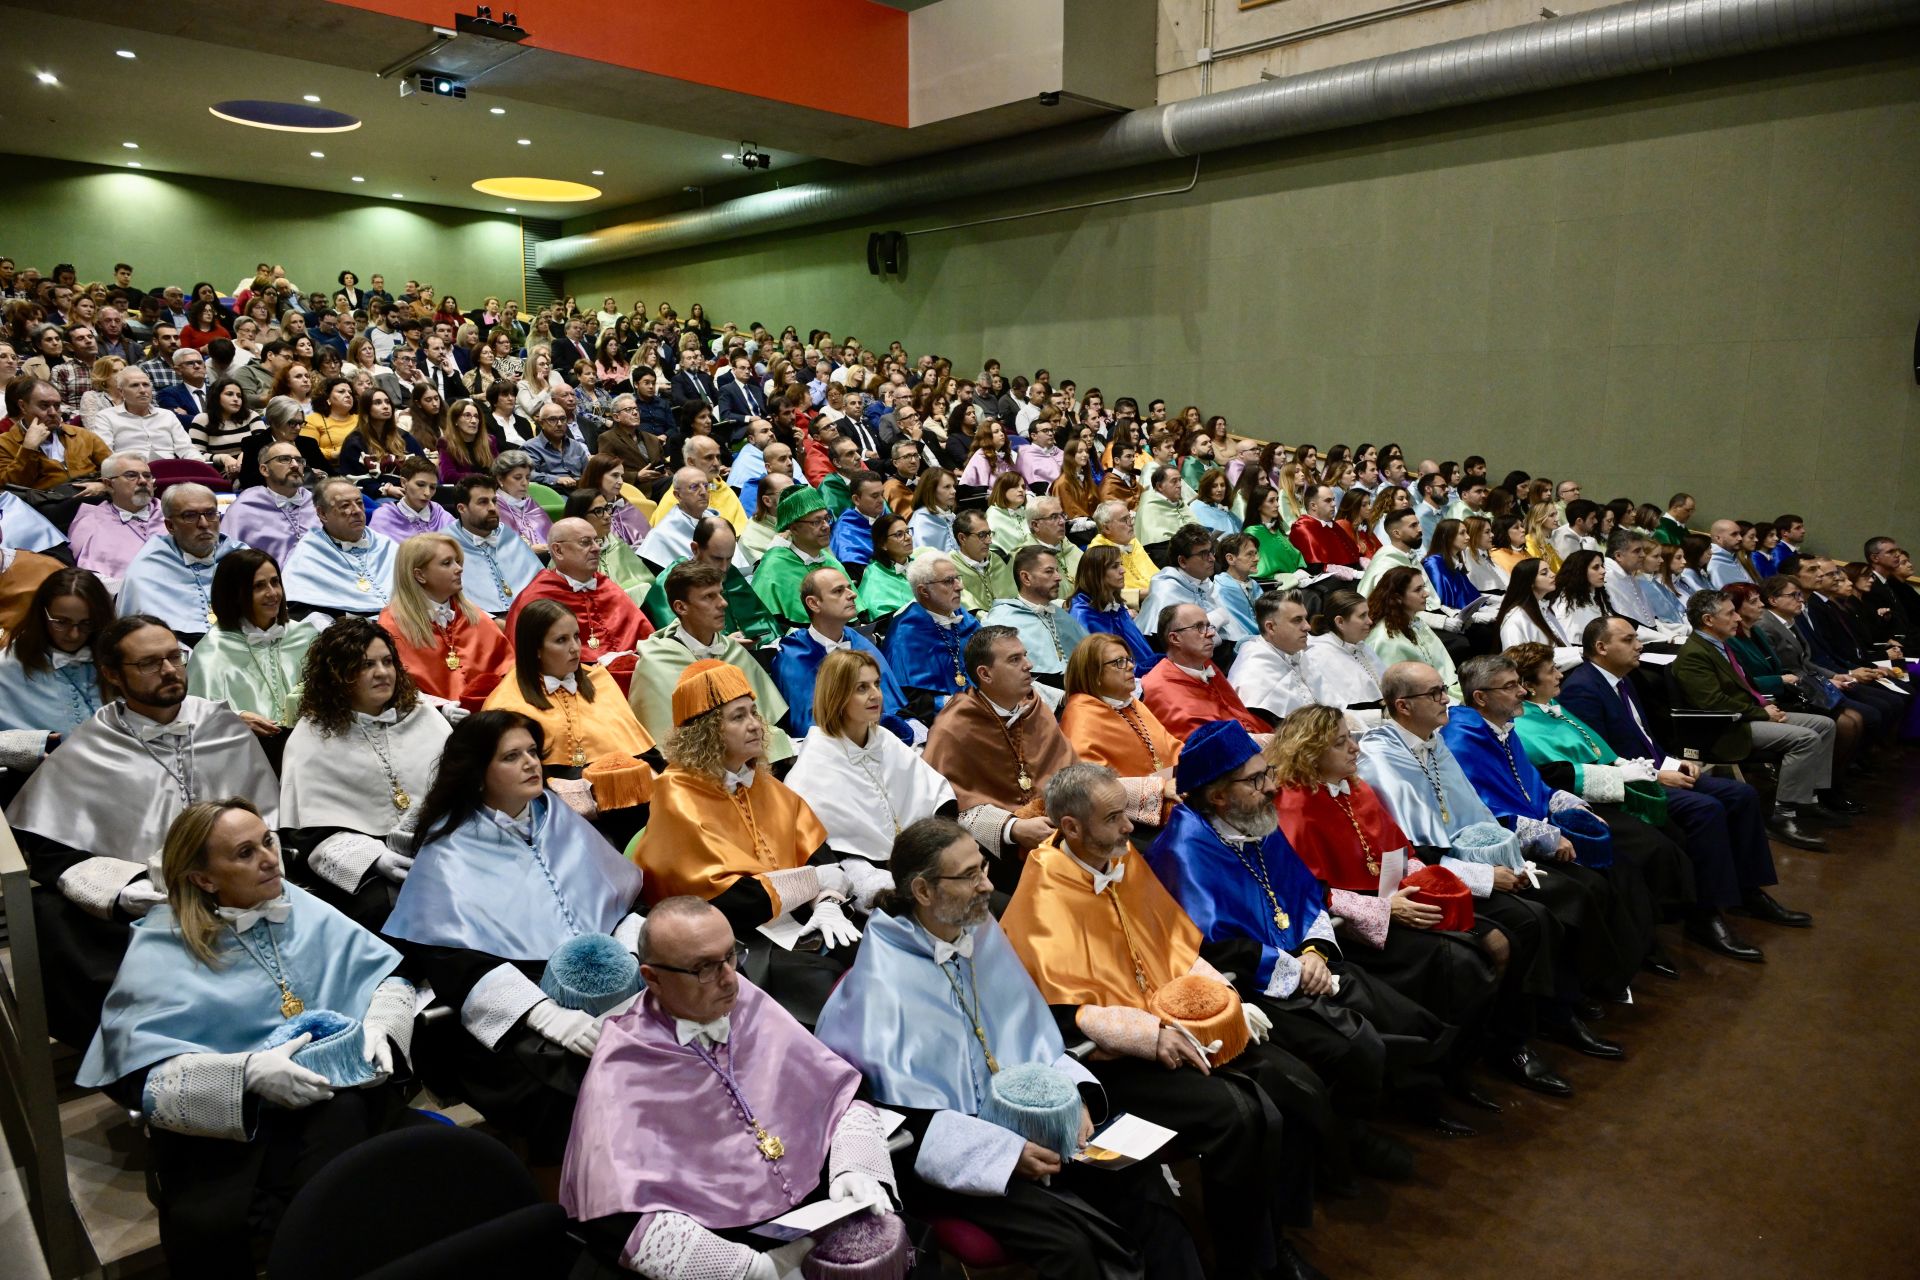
[1705,280]
[176,229]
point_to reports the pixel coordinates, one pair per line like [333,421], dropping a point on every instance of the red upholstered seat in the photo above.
[968,1244]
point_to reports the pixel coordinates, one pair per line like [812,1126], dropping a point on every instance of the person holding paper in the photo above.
[725,830]
[933,1010]
[1262,917]
[1100,937]
[708,1110]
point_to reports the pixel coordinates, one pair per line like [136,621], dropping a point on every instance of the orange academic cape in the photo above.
[699,840]
[1101,735]
[605,726]
[23,577]
[968,747]
[1184,704]
[1071,939]
[606,613]
[480,646]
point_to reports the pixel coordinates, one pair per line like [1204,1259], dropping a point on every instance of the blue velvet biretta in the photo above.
[1213,751]
[590,972]
[337,1050]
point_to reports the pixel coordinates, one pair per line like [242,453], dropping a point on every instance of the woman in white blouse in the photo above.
[1524,617]
[1340,667]
[537,385]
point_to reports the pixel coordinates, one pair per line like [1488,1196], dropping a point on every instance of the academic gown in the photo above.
[578,732]
[526,518]
[260,518]
[323,574]
[908,1026]
[852,542]
[162,582]
[883,591]
[1119,624]
[65,827]
[481,897]
[970,745]
[1324,542]
[1184,703]
[104,538]
[796,666]
[462,659]
[745,614]
[658,663]
[610,622]
[397,522]
[1050,634]
[866,796]
[777,579]
[928,658]
[57,700]
[497,568]
[252,670]
[1278,555]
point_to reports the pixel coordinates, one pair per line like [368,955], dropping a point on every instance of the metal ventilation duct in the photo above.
[1620,40]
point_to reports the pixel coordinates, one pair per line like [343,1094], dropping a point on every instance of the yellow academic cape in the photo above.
[1140,566]
[722,501]
[699,839]
[1075,943]
[603,727]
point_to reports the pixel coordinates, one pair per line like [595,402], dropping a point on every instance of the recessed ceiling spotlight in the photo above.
[318,155]
[599,173]
[525,142]
[310,97]
[398,196]
[498,111]
[511,209]
[133,164]
[131,146]
[124,53]
[46,77]
[726,155]
[358,178]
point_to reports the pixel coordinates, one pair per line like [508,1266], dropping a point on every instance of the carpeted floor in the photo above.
[1756,1129]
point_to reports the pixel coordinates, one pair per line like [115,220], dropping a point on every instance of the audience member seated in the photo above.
[1100,968]
[708,1109]
[415,511]
[513,477]
[467,448]
[926,645]
[1341,668]
[1049,631]
[172,575]
[617,559]
[1400,633]
[1187,580]
[1238,557]
[49,684]
[231,977]
[935,1008]
[503,873]
[377,446]
[254,657]
[1270,671]
[725,830]
[1099,607]
[699,626]
[1579,593]
[1187,690]
[158,749]
[137,425]
[582,714]
[830,606]
[106,536]
[1115,523]
[1322,541]
[1106,724]
[609,621]
[345,567]
[1047,527]
[884,589]
[275,514]
[933,510]
[1280,560]
[362,753]
[39,450]
[986,574]
[803,526]
[451,650]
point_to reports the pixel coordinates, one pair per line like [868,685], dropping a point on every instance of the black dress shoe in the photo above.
[1574,1034]
[1761,906]
[1447,1127]
[1840,804]
[1713,934]
[1464,1092]
[1820,815]
[1788,831]
[1529,1070]
[1661,964]
[1379,1156]
[1590,1010]
[1291,1266]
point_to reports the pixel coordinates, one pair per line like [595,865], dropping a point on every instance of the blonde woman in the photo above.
[453,653]
[1542,519]
[101,395]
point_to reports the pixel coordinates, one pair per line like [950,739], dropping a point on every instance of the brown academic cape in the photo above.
[983,758]
[23,577]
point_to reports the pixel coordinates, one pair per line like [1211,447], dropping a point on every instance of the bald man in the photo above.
[703,453]
[1723,562]
[610,622]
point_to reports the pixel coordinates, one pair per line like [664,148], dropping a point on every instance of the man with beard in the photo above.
[275,515]
[172,575]
[501,561]
[933,1009]
[106,536]
[346,568]
[159,749]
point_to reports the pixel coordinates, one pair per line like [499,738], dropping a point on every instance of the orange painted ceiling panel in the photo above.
[844,56]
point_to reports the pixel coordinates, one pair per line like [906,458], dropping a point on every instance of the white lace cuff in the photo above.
[22,749]
[968,1155]
[93,884]
[497,1002]
[1286,975]
[672,1246]
[1144,797]
[1117,1029]
[987,824]
[1536,835]
[1560,801]
[202,1094]
[1602,783]
[1321,930]
[1366,914]
[391,1014]
[859,1146]
[345,859]
[1203,969]
[795,885]
[867,881]
[1477,876]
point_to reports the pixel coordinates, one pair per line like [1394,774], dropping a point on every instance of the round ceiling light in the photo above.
[288,117]
[544,190]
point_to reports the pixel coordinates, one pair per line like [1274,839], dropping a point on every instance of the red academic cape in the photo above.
[1324,543]
[1317,827]
[607,613]
[480,647]
[1183,704]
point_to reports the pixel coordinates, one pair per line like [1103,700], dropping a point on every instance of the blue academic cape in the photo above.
[57,701]
[165,1003]
[496,570]
[482,888]
[321,573]
[1237,599]
[852,543]
[1116,622]
[1214,886]
[797,665]
[160,582]
[1388,766]
[24,529]
[1513,788]
[926,655]
[896,1018]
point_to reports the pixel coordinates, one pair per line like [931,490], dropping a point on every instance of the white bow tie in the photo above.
[715,1032]
[577,586]
[128,517]
[944,951]
[569,682]
[244,918]
[1339,788]
[81,655]
[255,636]
[147,731]
[203,562]
[287,503]
[389,716]
[440,614]
[735,781]
[1113,875]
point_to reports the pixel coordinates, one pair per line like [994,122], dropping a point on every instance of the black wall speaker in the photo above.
[1916,353]
[886,253]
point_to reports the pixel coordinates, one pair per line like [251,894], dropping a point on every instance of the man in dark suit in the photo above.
[1890,592]
[1722,819]
[398,381]
[693,384]
[740,399]
[570,350]
[438,370]
[1836,640]
[187,398]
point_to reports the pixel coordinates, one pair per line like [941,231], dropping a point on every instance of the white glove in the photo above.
[834,881]
[276,1077]
[394,866]
[138,898]
[831,922]
[378,1050]
[574,1030]
[782,1263]
[1640,770]
[1259,1025]
[862,1189]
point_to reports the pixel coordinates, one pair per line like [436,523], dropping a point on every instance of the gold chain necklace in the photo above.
[291,1005]
[1366,850]
[1258,870]
[579,756]
[1140,731]
[973,1015]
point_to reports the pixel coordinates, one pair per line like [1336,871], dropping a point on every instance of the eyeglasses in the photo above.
[68,624]
[952,581]
[974,876]
[1259,779]
[210,515]
[134,475]
[1202,626]
[709,973]
[1438,694]
[600,510]
[1122,663]
[152,666]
